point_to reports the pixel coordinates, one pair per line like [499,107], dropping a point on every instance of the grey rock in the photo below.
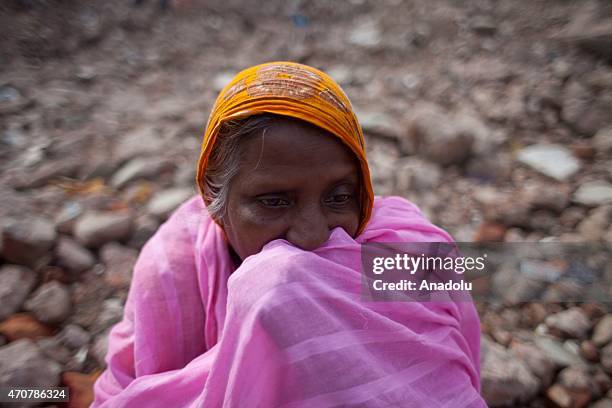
[94,229]
[50,303]
[590,29]
[602,403]
[505,379]
[222,79]
[595,225]
[606,358]
[414,174]
[73,256]
[144,140]
[100,348]
[16,282]
[594,193]
[138,168]
[602,334]
[377,123]
[366,35]
[144,228]
[67,216]
[574,378]
[119,262]
[25,365]
[74,336]
[585,114]
[382,157]
[53,349]
[602,141]
[552,160]
[431,133]
[111,313]
[558,353]
[483,25]
[165,202]
[28,241]
[538,363]
[573,323]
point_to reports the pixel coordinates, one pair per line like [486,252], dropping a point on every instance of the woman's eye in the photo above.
[338,199]
[274,202]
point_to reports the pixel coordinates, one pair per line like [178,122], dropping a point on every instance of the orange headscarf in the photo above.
[298,91]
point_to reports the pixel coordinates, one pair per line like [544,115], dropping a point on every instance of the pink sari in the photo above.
[285,329]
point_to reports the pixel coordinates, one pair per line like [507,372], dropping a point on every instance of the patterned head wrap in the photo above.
[294,90]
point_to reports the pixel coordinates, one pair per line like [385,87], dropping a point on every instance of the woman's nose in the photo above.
[309,229]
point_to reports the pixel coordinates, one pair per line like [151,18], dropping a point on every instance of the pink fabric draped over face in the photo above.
[285,329]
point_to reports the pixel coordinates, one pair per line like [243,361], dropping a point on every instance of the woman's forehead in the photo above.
[293,143]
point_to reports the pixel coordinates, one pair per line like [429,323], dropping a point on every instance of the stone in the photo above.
[536,361]
[28,241]
[94,228]
[144,228]
[144,140]
[67,216]
[583,150]
[552,160]
[50,303]
[138,168]
[589,351]
[590,29]
[119,262]
[606,358]
[25,365]
[366,35]
[594,226]
[483,25]
[382,158]
[545,196]
[222,79]
[165,202]
[74,336]
[16,282]
[557,352]
[80,387]
[602,141]
[573,323]
[23,326]
[505,379]
[100,348]
[593,193]
[514,287]
[414,174]
[490,232]
[73,256]
[111,313]
[87,296]
[376,123]
[45,173]
[584,113]
[432,134]
[603,403]
[561,397]
[574,378]
[602,334]
[54,349]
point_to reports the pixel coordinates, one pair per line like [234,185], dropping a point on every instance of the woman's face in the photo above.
[296,182]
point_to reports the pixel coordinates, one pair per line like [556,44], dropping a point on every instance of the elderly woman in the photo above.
[250,294]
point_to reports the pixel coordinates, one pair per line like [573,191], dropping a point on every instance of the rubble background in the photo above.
[494,117]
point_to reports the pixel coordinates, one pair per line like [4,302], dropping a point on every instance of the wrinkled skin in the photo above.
[295,182]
